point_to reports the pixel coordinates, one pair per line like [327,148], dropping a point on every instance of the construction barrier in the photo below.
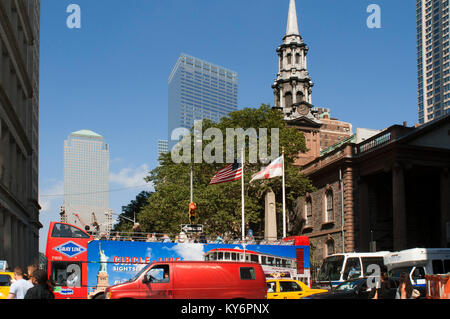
[438,286]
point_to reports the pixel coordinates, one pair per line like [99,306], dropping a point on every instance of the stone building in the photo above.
[388,192]
[19,131]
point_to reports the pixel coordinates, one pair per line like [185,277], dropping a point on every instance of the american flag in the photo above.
[232,172]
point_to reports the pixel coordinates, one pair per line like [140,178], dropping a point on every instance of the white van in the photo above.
[418,262]
[338,268]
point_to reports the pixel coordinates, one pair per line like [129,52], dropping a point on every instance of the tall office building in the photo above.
[163,147]
[19,131]
[433,59]
[199,90]
[86,180]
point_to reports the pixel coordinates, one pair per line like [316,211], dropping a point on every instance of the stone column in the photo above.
[364,216]
[349,218]
[294,92]
[399,210]
[445,208]
[270,220]
[281,97]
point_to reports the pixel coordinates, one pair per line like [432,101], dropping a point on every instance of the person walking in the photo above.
[42,286]
[405,289]
[20,286]
[383,288]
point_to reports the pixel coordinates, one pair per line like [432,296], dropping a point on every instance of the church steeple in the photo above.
[292,25]
[293,86]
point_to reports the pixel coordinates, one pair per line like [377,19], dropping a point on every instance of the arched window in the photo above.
[289,59]
[329,212]
[308,212]
[288,99]
[299,96]
[297,58]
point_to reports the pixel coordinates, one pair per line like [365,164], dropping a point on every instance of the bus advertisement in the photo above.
[82,267]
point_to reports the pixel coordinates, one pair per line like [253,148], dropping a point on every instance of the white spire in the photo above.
[292,25]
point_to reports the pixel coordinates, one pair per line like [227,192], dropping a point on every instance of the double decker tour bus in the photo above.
[82,267]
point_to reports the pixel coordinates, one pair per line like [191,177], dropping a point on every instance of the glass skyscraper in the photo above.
[199,90]
[433,59]
[86,179]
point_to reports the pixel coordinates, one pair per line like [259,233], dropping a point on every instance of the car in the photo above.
[289,289]
[354,289]
[6,279]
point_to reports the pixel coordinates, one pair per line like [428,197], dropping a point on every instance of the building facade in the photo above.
[19,131]
[86,180]
[163,147]
[370,196]
[199,90]
[433,59]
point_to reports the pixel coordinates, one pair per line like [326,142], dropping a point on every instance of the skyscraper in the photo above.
[199,90]
[163,147]
[86,180]
[433,59]
[19,131]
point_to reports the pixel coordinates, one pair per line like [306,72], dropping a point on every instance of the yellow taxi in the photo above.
[289,289]
[6,279]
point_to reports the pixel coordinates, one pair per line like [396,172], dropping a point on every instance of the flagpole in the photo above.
[284,201]
[243,201]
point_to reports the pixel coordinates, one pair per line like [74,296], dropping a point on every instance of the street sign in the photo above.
[192,228]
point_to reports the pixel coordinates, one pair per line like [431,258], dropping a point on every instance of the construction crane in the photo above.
[86,227]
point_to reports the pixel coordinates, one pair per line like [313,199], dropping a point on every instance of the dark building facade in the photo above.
[19,131]
[388,193]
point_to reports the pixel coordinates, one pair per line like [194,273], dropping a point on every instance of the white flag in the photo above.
[274,169]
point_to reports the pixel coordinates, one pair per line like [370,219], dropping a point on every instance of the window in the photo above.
[366,261]
[66,274]
[308,212]
[5,280]
[447,266]
[329,215]
[158,274]
[419,273]
[289,286]
[352,268]
[67,231]
[329,247]
[438,266]
[247,273]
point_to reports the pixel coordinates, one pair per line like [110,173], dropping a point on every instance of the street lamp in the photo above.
[111,213]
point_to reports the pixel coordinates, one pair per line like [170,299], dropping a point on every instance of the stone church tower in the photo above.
[293,87]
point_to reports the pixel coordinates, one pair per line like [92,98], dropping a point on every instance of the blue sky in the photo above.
[111,75]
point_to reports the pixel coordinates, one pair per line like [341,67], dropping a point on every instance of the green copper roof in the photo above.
[86,133]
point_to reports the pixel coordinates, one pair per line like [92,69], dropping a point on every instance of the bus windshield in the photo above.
[331,269]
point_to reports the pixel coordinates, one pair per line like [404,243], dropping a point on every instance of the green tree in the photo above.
[131,212]
[219,206]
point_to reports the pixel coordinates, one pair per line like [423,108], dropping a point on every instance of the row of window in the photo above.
[328,209]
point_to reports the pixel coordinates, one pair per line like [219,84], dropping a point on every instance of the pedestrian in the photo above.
[30,270]
[42,286]
[137,232]
[166,239]
[20,286]
[383,287]
[405,289]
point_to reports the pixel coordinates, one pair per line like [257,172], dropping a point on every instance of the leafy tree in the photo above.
[131,211]
[219,206]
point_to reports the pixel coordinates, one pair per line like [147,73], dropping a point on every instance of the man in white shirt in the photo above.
[20,286]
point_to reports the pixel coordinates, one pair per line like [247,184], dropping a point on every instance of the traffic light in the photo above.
[192,212]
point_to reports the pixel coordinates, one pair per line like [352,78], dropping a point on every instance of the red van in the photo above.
[194,280]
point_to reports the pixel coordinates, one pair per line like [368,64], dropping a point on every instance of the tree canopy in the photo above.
[219,206]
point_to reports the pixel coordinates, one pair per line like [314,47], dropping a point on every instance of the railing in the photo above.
[373,143]
[187,238]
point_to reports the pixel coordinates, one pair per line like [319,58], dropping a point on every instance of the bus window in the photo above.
[220,256]
[418,273]
[227,256]
[66,274]
[254,258]
[277,262]
[270,261]
[234,256]
[331,269]
[352,268]
[284,263]
[67,231]
[447,266]
[438,267]
[367,261]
